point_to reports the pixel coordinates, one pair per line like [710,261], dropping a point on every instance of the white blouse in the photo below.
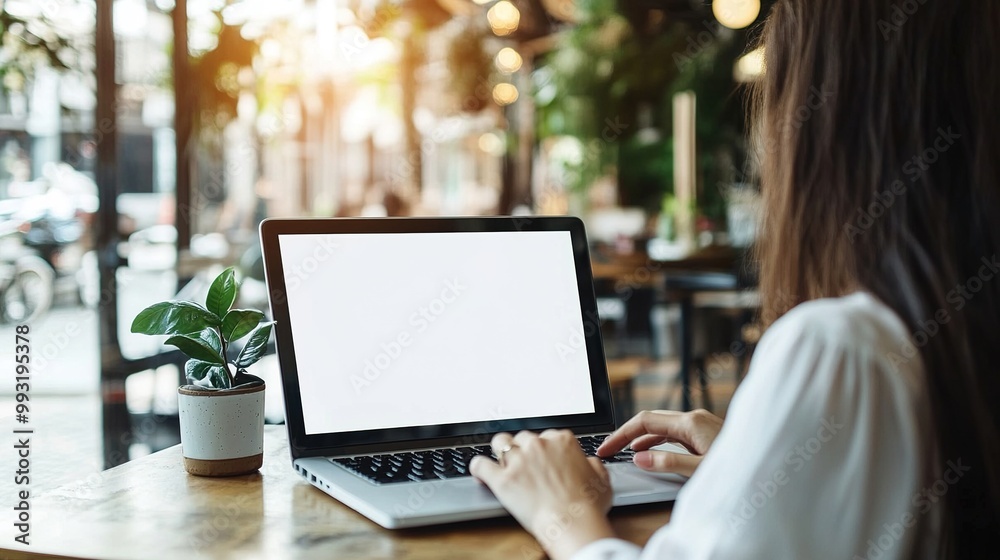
[822,454]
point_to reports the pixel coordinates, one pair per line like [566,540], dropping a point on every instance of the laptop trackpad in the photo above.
[634,482]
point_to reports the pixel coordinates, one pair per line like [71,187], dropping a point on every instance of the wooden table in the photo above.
[638,269]
[151,508]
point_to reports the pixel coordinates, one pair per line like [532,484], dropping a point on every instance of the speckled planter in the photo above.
[222,431]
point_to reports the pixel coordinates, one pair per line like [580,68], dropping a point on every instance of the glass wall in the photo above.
[334,108]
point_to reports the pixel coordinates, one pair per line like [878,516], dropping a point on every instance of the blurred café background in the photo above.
[142,141]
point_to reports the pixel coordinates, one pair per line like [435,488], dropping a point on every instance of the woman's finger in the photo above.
[524,438]
[557,435]
[486,470]
[649,440]
[661,423]
[667,462]
[500,442]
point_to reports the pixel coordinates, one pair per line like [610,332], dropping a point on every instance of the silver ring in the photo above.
[503,452]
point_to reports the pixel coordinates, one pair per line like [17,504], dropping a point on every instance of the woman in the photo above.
[867,426]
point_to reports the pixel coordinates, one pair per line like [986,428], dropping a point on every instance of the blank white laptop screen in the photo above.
[416,329]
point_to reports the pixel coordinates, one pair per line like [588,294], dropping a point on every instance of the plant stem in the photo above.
[225,359]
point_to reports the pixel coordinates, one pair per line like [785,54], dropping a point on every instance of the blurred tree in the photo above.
[26,42]
[407,22]
[216,72]
[720,126]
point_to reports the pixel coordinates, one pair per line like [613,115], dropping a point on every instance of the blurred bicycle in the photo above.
[26,280]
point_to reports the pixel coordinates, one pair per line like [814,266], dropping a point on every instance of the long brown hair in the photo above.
[879,126]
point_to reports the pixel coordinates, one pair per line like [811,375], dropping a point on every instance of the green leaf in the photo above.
[256,344]
[204,346]
[220,379]
[222,294]
[205,374]
[174,317]
[239,322]
[198,371]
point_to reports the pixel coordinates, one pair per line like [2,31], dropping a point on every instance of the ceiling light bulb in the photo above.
[750,66]
[504,93]
[736,14]
[504,18]
[508,60]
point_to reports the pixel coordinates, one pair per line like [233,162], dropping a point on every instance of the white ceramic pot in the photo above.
[222,432]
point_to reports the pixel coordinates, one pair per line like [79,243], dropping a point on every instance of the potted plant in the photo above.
[222,406]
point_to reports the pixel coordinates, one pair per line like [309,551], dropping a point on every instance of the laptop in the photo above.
[405,344]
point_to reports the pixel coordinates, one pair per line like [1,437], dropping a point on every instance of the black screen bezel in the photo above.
[395,439]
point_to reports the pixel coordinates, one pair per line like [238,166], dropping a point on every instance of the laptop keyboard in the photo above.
[453,462]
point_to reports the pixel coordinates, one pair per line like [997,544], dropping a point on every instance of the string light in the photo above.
[736,14]
[750,66]
[504,18]
[490,143]
[508,60]
[504,93]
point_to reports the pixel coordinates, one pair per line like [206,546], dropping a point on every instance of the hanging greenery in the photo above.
[596,79]
[469,66]
[610,82]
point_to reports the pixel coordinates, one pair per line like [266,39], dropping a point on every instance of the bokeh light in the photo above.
[508,60]
[736,14]
[504,93]
[504,18]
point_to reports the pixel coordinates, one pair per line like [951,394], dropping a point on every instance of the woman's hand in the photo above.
[548,485]
[695,430]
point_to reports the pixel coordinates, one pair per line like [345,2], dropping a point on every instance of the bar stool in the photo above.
[683,288]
